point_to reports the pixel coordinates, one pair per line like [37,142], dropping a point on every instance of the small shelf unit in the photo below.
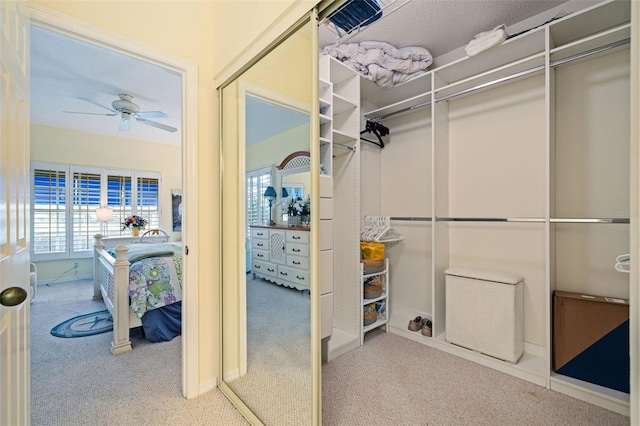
[381,302]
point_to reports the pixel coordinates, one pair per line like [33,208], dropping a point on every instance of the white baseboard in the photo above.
[230,376]
[208,386]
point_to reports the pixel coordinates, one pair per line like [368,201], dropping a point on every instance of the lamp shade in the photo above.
[104,214]
[270,192]
[285,193]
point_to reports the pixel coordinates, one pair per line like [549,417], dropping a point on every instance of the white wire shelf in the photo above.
[355,16]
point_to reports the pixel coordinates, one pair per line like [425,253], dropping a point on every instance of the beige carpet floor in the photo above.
[277,386]
[388,381]
[78,382]
[395,381]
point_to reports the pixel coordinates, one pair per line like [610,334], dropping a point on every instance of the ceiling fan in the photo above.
[127,109]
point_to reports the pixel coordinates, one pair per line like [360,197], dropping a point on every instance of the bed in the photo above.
[140,284]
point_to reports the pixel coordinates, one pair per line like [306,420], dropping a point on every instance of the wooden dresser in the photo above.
[281,255]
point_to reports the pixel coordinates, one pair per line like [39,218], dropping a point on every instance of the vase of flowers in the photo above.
[299,211]
[135,223]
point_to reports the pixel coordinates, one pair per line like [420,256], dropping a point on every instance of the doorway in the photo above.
[43,18]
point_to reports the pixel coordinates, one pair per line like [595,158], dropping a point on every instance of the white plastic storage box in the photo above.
[484,311]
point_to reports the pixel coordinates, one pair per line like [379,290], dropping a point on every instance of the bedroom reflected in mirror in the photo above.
[295,179]
[266,311]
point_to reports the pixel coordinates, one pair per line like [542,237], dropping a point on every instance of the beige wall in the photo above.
[247,27]
[275,149]
[219,36]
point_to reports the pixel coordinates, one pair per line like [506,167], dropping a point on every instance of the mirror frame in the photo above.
[234,255]
[287,168]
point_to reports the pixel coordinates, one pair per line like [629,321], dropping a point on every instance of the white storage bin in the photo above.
[484,311]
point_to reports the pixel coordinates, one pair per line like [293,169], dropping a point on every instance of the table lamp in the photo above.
[104,215]
[271,194]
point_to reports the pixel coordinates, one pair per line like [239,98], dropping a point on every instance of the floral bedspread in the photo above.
[155,282]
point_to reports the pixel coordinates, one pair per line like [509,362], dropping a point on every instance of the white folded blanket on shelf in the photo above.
[486,40]
[382,62]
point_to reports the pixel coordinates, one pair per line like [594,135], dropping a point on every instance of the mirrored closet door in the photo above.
[268,291]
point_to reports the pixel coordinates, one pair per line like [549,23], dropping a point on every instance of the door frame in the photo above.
[188,70]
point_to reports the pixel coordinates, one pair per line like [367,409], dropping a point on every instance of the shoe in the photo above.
[416,324]
[426,328]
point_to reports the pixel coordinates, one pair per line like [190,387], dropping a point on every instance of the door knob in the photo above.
[12,296]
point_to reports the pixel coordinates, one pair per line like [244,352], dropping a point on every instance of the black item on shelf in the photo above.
[377,129]
[356,14]
[533,28]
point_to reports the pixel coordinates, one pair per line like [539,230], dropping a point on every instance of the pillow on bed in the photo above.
[138,252]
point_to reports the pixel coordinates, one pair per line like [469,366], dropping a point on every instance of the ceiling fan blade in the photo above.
[96,104]
[91,113]
[155,124]
[151,114]
[125,125]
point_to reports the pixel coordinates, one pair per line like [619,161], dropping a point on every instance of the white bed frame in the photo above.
[111,285]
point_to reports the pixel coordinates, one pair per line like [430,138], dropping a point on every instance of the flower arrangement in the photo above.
[134,221]
[297,206]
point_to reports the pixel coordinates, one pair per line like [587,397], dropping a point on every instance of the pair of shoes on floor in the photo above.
[427,327]
[416,323]
[421,324]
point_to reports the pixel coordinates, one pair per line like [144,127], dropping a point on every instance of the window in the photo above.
[49,211]
[257,204]
[119,198]
[86,199]
[295,191]
[147,200]
[65,199]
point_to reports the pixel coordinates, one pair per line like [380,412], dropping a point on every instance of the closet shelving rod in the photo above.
[348,148]
[492,83]
[509,77]
[411,218]
[538,68]
[591,52]
[590,220]
[490,219]
[407,109]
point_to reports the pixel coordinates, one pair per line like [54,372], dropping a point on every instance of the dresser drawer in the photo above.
[259,233]
[264,268]
[298,237]
[294,275]
[298,262]
[259,244]
[260,254]
[297,249]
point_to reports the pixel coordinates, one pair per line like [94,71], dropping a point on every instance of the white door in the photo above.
[15,401]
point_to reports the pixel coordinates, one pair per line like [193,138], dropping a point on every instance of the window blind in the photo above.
[86,199]
[147,201]
[257,205]
[49,211]
[119,198]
